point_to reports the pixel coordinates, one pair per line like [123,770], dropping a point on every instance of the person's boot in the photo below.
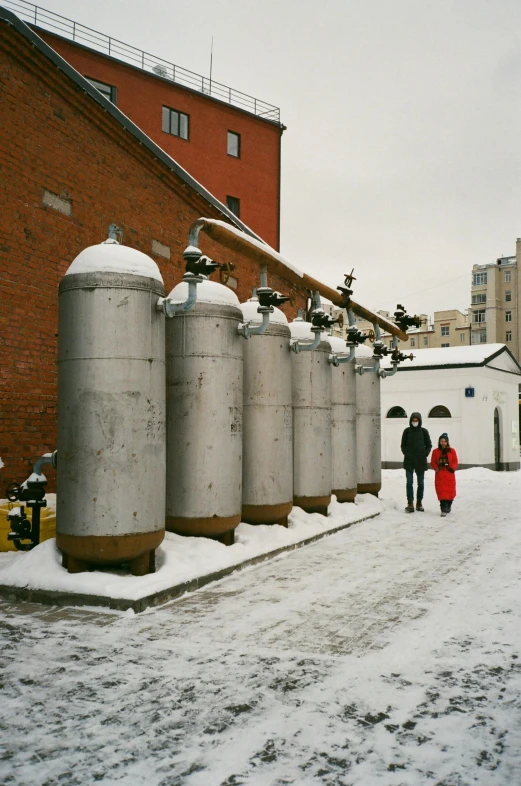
[410,506]
[419,506]
[443,511]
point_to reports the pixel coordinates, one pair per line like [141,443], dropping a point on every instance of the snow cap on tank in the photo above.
[301,329]
[207,292]
[111,257]
[338,345]
[363,352]
[250,313]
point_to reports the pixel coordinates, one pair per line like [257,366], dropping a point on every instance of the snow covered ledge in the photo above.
[183,564]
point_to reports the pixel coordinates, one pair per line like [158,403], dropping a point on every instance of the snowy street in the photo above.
[389,653]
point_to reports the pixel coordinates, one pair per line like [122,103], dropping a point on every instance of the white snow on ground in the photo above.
[178,559]
[388,654]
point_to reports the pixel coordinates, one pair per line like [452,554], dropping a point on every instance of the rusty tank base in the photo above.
[91,552]
[313,504]
[267,514]
[220,528]
[345,495]
[369,488]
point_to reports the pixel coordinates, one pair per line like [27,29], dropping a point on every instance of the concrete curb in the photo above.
[63,598]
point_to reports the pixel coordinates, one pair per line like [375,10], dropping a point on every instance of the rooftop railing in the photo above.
[66,28]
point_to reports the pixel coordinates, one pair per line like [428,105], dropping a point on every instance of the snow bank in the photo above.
[178,559]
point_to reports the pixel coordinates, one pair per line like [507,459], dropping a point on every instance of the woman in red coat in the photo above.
[444,462]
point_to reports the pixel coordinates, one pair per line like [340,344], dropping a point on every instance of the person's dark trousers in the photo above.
[420,476]
[445,505]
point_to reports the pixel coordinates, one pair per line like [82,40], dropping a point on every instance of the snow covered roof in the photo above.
[493,355]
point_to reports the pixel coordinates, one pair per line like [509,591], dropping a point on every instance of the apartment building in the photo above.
[494,313]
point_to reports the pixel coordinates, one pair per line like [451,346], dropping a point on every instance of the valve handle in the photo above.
[12,492]
[371,335]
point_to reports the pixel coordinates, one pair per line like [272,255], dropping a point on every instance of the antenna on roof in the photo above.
[211,64]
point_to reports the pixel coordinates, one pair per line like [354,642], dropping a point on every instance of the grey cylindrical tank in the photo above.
[368,425]
[343,424]
[204,358]
[267,470]
[111,409]
[311,397]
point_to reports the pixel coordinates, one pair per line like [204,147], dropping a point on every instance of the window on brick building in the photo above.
[462,338]
[234,204]
[508,276]
[481,297]
[413,342]
[508,335]
[479,316]
[508,296]
[109,91]
[175,123]
[445,345]
[445,330]
[508,316]
[234,144]
[479,278]
[425,341]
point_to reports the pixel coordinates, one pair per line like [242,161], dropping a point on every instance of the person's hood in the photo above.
[415,415]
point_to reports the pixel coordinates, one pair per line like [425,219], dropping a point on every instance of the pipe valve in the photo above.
[23,534]
[269,298]
[404,321]
[399,357]
[355,336]
[346,291]
[319,319]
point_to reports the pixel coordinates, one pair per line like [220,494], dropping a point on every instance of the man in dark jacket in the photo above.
[416,446]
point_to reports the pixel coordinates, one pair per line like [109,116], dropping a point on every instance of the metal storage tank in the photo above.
[111,410]
[368,425]
[267,470]
[343,424]
[311,397]
[204,359]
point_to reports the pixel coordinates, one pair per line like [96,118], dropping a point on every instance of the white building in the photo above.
[469,392]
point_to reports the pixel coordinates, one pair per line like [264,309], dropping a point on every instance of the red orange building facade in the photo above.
[235,154]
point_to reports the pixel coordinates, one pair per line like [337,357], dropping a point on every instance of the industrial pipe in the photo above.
[255,249]
[336,360]
[47,458]
[306,346]
[384,373]
[170,307]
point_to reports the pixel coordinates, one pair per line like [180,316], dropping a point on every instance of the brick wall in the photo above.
[67,170]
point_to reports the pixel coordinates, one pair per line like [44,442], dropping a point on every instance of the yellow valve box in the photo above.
[47,524]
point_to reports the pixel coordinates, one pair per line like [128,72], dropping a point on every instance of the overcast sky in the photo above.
[402,156]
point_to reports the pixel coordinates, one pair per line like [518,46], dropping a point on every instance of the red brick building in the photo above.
[71,164]
[228,141]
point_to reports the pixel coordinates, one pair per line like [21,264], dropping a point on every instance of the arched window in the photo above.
[397,412]
[439,412]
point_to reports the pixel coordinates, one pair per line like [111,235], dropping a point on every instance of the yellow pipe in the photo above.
[254,249]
